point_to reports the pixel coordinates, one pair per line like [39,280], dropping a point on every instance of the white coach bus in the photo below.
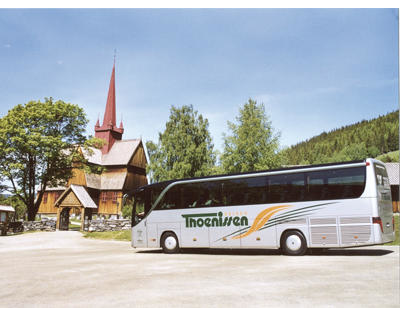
[324,206]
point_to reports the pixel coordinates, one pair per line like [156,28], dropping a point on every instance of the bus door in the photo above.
[385,210]
[139,229]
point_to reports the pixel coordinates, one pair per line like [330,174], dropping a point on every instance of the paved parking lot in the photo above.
[62,269]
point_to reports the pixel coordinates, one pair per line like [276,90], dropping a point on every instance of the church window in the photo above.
[114,197]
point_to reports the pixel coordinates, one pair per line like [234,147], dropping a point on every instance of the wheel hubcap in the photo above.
[293,242]
[170,243]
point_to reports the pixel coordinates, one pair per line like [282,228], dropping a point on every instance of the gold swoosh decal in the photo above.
[262,218]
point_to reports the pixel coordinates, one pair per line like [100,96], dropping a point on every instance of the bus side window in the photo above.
[189,195]
[296,189]
[245,191]
[233,192]
[257,190]
[276,189]
[336,184]
[215,194]
[202,194]
[171,199]
[344,184]
[315,187]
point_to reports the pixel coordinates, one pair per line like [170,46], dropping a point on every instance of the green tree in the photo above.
[38,147]
[378,135]
[253,144]
[184,149]
[16,203]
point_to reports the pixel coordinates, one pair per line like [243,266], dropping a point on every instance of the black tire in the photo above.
[169,243]
[293,243]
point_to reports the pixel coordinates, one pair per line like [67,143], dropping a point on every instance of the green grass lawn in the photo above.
[123,235]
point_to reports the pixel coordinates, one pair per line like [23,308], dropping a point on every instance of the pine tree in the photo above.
[253,143]
[184,149]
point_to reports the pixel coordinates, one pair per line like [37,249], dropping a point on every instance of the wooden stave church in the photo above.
[124,163]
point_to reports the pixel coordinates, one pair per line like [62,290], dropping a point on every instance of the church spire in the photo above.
[109,114]
[109,130]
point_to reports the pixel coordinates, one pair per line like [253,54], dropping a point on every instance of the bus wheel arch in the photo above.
[169,242]
[293,242]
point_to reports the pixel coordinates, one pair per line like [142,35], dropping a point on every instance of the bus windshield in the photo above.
[144,198]
[138,209]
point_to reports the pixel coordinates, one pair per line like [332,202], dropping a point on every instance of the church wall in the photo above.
[134,180]
[78,177]
[110,202]
[139,158]
[48,200]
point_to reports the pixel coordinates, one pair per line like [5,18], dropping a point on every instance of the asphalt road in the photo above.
[63,269]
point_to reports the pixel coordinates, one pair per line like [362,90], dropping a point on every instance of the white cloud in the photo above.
[7,45]
[60,62]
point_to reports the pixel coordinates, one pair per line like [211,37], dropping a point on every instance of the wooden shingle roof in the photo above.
[121,152]
[80,193]
[119,155]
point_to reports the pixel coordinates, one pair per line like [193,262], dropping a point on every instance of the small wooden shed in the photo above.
[5,214]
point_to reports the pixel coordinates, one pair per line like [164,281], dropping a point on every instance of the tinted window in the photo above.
[295,187]
[276,189]
[286,188]
[303,186]
[336,184]
[317,185]
[245,191]
[202,194]
[216,193]
[192,195]
[139,203]
[171,199]
[155,193]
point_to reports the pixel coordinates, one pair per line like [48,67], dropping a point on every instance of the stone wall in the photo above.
[99,225]
[47,225]
[106,225]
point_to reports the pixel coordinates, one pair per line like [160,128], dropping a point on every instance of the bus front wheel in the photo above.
[169,243]
[293,243]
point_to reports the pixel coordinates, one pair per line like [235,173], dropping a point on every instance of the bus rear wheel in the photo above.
[169,243]
[293,243]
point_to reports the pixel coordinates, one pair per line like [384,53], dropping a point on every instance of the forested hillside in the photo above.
[357,141]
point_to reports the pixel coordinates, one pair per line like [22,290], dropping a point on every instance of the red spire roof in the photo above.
[109,131]
[109,114]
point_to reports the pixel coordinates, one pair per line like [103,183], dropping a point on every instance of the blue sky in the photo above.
[314,69]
